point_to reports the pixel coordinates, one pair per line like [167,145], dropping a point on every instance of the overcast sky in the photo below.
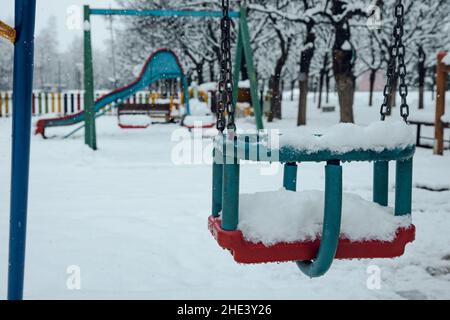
[62,9]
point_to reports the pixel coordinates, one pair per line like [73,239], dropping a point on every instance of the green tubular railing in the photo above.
[290,176]
[381,182]
[331,224]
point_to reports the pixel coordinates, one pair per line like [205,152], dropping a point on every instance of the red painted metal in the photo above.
[204,126]
[33,104]
[249,253]
[126,126]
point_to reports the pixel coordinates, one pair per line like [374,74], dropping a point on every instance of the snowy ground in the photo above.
[135,223]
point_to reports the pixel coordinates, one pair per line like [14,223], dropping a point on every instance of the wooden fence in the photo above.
[63,103]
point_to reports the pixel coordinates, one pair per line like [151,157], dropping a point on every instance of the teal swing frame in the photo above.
[243,51]
[228,153]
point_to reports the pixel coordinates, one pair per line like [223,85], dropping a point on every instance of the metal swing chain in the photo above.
[397,54]
[226,78]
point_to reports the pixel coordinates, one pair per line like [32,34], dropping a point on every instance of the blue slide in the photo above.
[163,64]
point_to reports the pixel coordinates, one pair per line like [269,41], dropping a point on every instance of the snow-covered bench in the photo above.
[428,119]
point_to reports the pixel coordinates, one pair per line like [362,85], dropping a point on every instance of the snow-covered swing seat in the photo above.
[287,225]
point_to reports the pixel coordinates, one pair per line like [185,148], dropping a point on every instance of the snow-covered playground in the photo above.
[134,223]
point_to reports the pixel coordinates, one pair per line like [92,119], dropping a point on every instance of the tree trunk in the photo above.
[373,76]
[343,62]
[199,71]
[327,86]
[422,74]
[212,73]
[292,89]
[305,66]
[275,107]
[301,121]
[345,83]
[421,97]
[314,88]
[392,102]
[322,79]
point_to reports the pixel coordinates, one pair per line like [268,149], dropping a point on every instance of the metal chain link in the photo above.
[397,55]
[226,77]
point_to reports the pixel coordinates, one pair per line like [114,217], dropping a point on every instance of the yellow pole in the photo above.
[52,95]
[7,32]
[6,104]
[59,103]
[1,104]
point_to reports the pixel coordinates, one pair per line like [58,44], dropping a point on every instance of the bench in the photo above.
[419,137]
[162,110]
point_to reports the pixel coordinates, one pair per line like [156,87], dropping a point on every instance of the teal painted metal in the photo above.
[403,187]
[286,154]
[90,135]
[230,201]
[381,182]
[162,13]
[290,176]
[244,34]
[289,154]
[98,115]
[217,185]
[237,68]
[331,224]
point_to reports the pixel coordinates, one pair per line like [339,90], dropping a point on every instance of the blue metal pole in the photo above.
[25,12]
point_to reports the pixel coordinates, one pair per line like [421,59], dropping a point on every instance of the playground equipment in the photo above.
[438,119]
[22,36]
[163,64]
[91,107]
[156,110]
[314,258]
[243,50]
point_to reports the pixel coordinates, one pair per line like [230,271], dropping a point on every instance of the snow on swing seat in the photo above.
[287,216]
[284,226]
[381,140]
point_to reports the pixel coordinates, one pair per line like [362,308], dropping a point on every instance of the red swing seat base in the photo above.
[250,253]
[204,126]
[127,126]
